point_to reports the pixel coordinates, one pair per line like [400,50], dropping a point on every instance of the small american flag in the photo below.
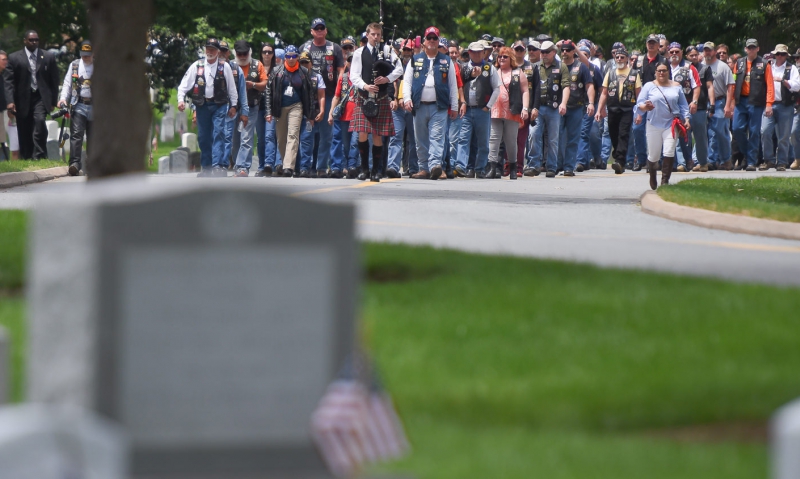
[355,422]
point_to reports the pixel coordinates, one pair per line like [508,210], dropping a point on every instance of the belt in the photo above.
[428,102]
[85,101]
[720,98]
[473,106]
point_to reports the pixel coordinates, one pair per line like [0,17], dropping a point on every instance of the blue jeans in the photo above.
[698,138]
[639,135]
[719,140]
[324,145]
[478,123]
[590,142]
[244,158]
[605,151]
[211,124]
[456,139]
[551,120]
[268,154]
[570,135]
[779,123]
[429,125]
[795,143]
[341,147]
[230,126]
[747,129]
[305,152]
[403,123]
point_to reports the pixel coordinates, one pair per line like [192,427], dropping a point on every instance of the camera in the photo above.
[59,113]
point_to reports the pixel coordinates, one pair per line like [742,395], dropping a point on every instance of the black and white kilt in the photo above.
[381,125]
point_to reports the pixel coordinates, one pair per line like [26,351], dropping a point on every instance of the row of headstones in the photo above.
[172,121]
[183,159]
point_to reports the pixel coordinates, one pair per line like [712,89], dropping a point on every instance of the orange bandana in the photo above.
[291,69]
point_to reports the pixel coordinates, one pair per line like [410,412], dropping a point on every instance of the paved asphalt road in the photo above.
[592,218]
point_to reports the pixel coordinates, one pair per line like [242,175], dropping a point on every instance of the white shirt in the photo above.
[777,79]
[355,67]
[429,91]
[84,71]
[495,79]
[210,72]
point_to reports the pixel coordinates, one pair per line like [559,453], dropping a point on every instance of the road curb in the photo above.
[655,205]
[19,178]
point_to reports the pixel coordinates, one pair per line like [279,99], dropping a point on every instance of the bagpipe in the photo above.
[383,67]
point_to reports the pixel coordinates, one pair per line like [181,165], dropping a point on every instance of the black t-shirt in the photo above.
[647,68]
[705,77]
[326,61]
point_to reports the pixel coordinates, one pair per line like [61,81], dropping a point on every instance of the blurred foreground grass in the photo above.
[517,368]
[506,367]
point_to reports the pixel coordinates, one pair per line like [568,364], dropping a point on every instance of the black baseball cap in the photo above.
[213,43]
[241,46]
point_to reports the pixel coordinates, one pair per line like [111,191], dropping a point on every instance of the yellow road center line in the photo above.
[363,184]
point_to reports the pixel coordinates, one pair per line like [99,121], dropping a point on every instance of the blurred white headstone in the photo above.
[207,319]
[163,165]
[785,441]
[52,130]
[189,140]
[5,365]
[48,442]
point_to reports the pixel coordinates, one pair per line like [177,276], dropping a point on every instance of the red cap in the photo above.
[430,30]
[408,44]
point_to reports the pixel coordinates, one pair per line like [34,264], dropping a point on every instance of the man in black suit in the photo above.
[32,96]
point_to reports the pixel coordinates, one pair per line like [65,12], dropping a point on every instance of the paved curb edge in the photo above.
[19,178]
[655,205]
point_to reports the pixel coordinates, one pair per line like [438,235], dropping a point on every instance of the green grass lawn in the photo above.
[517,368]
[765,197]
[512,368]
[28,165]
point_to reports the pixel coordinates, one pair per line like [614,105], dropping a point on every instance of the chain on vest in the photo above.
[481,85]
[198,92]
[628,99]
[577,96]
[78,83]
[551,85]
[683,76]
[253,95]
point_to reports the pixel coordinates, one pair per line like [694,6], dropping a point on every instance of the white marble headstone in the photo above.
[163,165]
[55,442]
[189,140]
[179,161]
[52,130]
[207,319]
[785,441]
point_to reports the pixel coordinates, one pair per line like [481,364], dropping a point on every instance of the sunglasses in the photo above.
[519,49]
[290,57]
[533,49]
[267,52]
[661,71]
[502,57]
[547,52]
[781,54]
[674,52]
[432,38]
[751,47]
[620,57]
[319,28]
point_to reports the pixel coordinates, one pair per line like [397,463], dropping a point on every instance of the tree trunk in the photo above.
[119,86]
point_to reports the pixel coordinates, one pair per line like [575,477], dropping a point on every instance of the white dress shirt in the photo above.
[210,72]
[85,91]
[429,91]
[355,67]
[777,79]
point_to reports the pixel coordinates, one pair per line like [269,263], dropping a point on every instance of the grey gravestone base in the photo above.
[174,311]
[53,150]
[179,161]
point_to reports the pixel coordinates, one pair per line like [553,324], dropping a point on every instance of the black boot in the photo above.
[492,170]
[652,168]
[666,169]
[377,162]
[363,150]
[512,171]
